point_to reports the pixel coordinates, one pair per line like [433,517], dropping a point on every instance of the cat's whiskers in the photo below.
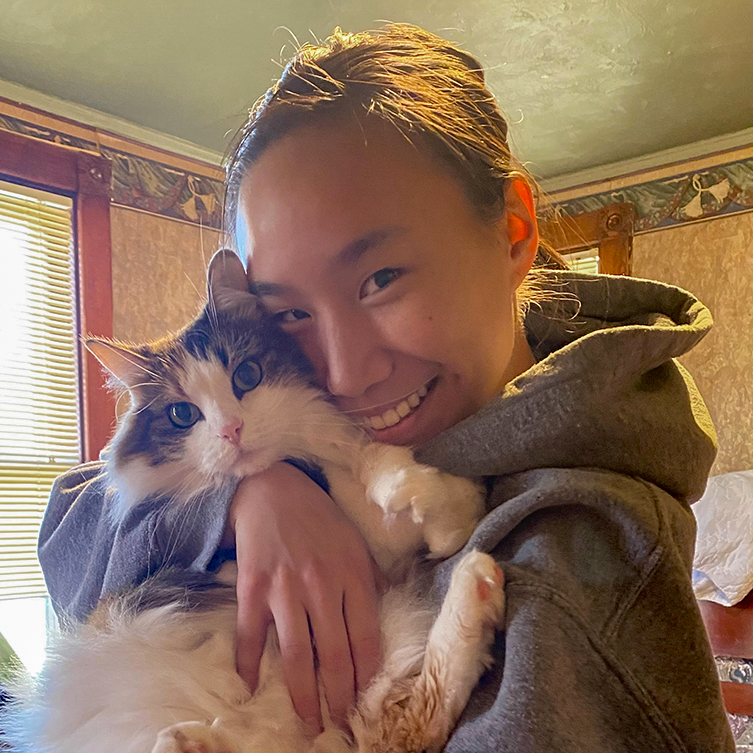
[118,399]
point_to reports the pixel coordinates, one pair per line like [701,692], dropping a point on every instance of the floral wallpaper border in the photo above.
[687,197]
[154,187]
[143,183]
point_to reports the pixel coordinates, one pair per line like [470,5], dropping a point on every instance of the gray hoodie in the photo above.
[592,458]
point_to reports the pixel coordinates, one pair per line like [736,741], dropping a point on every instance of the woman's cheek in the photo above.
[415,331]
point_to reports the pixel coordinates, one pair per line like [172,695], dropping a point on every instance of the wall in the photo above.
[158,268]
[714,261]
[695,230]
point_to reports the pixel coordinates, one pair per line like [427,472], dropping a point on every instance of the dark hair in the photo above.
[433,92]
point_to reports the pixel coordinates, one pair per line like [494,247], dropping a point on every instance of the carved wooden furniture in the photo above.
[730,631]
[609,229]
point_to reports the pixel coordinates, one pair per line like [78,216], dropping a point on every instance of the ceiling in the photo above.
[584,82]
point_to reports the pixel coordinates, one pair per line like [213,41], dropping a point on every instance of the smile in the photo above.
[400,411]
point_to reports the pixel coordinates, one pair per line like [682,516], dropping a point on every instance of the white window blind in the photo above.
[39,436]
[584,261]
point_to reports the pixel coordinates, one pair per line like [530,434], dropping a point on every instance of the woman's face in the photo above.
[369,253]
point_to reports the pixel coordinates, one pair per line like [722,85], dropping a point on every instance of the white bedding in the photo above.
[723,563]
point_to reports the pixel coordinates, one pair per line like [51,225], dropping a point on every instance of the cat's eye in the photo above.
[380,280]
[247,376]
[183,415]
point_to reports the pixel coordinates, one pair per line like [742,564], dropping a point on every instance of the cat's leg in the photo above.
[447,507]
[418,713]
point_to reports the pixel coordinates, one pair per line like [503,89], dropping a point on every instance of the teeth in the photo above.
[400,411]
[391,417]
[403,409]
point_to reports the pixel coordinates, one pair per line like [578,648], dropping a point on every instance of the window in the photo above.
[39,424]
[584,261]
[56,282]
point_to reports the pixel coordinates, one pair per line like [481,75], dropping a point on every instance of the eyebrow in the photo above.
[359,247]
[347,256]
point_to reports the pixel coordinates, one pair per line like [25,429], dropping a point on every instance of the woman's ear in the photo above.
[519,224]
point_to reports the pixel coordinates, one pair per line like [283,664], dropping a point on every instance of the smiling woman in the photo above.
[386,227]
[405,288]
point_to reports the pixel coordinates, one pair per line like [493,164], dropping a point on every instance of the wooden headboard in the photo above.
[730,631]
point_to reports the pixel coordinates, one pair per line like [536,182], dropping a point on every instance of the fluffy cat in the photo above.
[153,670]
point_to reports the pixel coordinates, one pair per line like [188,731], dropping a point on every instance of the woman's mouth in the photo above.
[394,415]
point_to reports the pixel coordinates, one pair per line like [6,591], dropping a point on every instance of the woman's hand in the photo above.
[303,565]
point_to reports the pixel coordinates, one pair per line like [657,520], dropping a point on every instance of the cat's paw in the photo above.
[446,507]
[191,737]
[450,511]
[477,592]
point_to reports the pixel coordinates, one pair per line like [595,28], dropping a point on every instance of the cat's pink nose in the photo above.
[232,431]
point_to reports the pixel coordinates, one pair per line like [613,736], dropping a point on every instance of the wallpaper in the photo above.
[714,261]
[158,269]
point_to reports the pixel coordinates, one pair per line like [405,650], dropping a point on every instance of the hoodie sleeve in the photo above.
[85,552]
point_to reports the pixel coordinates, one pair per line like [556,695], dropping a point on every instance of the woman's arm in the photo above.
[301,563]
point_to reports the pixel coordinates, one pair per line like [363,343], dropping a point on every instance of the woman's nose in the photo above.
[352,356]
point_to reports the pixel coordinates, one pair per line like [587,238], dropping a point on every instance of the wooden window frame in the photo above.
[610,229]
[85,178]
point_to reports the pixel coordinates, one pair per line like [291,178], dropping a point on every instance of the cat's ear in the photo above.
[125,364]
[227,285]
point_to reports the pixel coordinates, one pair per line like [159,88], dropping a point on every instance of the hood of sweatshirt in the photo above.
[605,392]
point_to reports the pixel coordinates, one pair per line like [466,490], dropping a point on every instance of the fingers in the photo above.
[361,609]
[298,660]
[253,621]
[335,660]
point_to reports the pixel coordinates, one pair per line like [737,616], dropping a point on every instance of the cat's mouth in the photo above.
[252,460]
[403,409]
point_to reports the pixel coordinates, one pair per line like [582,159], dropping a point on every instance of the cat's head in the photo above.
[218,400]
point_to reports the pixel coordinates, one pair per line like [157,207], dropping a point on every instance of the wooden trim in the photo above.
[85,177]
[730,629]
[95,296]
[610,229]
[40,163]
[738,697]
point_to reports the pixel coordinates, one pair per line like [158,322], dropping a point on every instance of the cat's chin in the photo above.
[252,462]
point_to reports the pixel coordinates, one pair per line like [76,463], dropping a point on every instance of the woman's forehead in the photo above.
[320,190]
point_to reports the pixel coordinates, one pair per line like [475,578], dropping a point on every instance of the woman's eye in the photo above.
[247,376]
[183,415]
[380,280]
[290,315]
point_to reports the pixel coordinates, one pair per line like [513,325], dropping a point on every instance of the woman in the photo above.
[385,224]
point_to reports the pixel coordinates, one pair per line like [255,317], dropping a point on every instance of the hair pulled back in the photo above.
[433,92]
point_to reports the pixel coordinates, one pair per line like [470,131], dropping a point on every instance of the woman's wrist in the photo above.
[276,475]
